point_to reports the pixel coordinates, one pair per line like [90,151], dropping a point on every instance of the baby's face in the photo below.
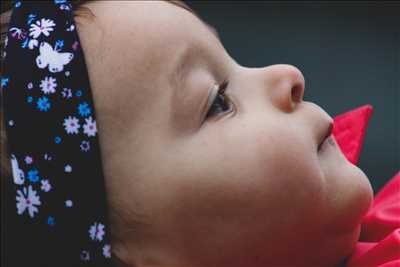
[239,184]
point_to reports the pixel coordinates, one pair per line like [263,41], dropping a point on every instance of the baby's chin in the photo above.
[349,192]
[351,195]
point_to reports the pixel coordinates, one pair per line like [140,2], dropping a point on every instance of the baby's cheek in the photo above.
[229,190]
[289,177]
[265,170]
[289,166]
[284,180]
[249,197]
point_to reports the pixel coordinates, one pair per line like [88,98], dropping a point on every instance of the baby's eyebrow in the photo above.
[179,73]
[177,79]
[182,94]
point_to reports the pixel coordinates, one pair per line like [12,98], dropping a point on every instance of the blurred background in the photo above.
[348,52]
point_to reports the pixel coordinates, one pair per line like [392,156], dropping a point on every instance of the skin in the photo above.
[243,187]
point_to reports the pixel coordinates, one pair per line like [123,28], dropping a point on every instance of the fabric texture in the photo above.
[349,131]
[57,215]
[379,242]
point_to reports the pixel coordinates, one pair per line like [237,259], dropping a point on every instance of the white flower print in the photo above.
[107,251]
[70,28]
[89,128]
[69,203]
[33,43]
[27,200]
[68,168]
[28,160]
[96,231]
[48,85]
[44,26]
[66,93]
[18,33]
[46,186]
[71,125]
[85,256]
[85,146]
[65,7]
[47,157]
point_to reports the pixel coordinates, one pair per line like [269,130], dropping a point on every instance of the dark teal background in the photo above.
[348,52]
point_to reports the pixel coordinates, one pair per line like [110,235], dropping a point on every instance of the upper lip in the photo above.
[327,134]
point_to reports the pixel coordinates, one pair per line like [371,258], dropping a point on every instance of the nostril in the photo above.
[297,93]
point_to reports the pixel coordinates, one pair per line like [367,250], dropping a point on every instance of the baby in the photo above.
[207,162]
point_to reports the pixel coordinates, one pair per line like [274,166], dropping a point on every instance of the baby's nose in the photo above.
[286,86]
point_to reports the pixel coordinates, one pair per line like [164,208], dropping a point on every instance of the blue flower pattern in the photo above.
[51,221]
[4,82]
[84,109]
[41,106]
[30,19]
[59,45]
[33,176]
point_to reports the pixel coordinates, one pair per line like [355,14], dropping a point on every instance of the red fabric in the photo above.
[379,242]
[349,131]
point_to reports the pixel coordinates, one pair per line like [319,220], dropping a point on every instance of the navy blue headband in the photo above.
[56,214]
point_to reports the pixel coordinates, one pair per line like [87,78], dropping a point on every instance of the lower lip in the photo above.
[327,143]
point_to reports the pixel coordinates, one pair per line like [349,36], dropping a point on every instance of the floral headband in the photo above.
[57,212]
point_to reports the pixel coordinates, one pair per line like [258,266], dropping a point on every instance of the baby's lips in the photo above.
[327,135]
[349,131]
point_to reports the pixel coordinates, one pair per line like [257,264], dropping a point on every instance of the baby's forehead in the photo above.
[131,49]
[148,34]
[152,20]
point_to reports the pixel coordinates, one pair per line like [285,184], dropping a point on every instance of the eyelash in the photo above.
[220,95]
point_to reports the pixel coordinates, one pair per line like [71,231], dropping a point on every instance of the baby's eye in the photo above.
[220,104]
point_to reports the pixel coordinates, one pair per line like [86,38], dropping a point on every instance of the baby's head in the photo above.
[207,162]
